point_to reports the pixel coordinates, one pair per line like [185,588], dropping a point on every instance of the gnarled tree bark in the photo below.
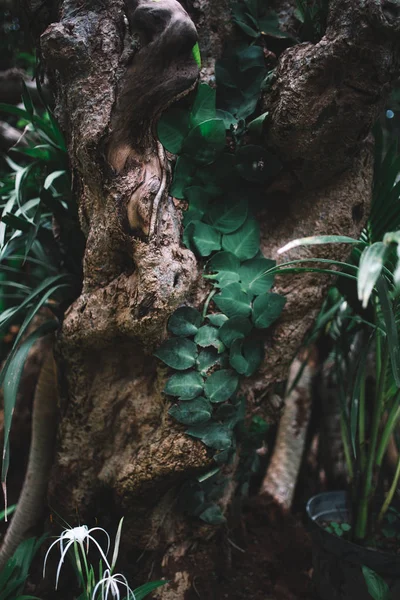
[118,451]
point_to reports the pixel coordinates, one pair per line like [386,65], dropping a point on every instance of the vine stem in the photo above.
[363,506]
[390,494]
[207,302]
[361,425]
[391,423]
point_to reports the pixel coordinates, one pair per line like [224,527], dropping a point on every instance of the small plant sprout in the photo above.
[76,535]
[110,587]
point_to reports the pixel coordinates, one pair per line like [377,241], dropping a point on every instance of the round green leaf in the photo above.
[198,198]
[204,105]
[183,176]
[221,385]
[266,309]
[210,357]
[226,412]
[234,328]
[217,319]
[228,216]
[172,129]
[227,118]
[245,242]
[208,336]
[236,358]
[198,410]
[213,515]
[246,356]
[205,238]
[188,232]
[185,385]
[178,353]
[233,301]
[205,141]
[254,276]
[185,321]
[188,217]
[214,435]
[226,266]
[256,164]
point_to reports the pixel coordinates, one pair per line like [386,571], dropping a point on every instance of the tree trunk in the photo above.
[119,453]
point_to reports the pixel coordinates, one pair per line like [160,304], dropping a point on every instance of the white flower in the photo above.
[111,583]
[79,535]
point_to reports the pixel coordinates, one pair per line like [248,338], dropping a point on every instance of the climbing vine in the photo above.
[220,173]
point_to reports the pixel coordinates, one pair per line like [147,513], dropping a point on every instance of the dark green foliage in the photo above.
[35,270]
[229,215]
[185,321]
[178,353]
[221,345]
[266,309]
[339,529]
[255,275]
[245,242]
[15,573]
[239,76]
[246,356]
[189,413]
[217,175]
[233,329]
[215,435]
[208,336]
[377,587]
[144,590]
[313,16]
[186,385]
[233,301]
[255,18]
[204,238]
[226,267]
[221,385]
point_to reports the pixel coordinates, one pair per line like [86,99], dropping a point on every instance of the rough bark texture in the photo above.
[118,451]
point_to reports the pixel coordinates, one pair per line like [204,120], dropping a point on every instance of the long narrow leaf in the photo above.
[371,264]
[34,231]
[391,328]
[318,239]
[12,378]
[27,100]
[144,590]
[355,399]
[48,283]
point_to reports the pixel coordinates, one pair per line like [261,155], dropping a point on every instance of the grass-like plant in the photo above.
[39,266]
[372,325]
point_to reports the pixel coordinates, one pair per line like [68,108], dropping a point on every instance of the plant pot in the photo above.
[337,562]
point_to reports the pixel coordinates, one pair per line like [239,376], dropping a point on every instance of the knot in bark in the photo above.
[64,47]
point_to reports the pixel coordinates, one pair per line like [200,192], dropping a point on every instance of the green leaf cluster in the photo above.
[205,398]
[218,173]
[338,529]
[313,16]
[198,135]
[255,18]
[239,75]
[36,270]
[14,575]
[199,496]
